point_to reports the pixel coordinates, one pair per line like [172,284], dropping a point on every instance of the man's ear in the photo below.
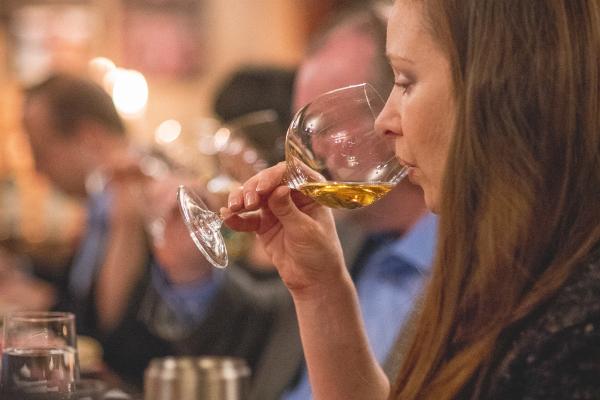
[88,134]
[88,139]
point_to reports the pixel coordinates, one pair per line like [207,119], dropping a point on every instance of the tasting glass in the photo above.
[333,155]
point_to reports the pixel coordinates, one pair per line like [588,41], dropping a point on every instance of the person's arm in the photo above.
[136,201]
[125,258]
[339,360]
[301,239]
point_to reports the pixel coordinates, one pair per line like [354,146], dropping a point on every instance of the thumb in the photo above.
[283,208]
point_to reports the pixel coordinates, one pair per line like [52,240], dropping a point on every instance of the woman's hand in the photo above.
[298,234]
[300,237]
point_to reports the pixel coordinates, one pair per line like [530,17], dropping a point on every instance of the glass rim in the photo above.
[40,316]
[363,85]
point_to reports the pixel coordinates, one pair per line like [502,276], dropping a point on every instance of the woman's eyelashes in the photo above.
[403,85]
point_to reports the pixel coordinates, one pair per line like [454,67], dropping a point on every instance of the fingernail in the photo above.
[260,186]
[225,213]
[250,198]
[233,203]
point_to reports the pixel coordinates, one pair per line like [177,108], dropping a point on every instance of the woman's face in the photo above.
[420,109]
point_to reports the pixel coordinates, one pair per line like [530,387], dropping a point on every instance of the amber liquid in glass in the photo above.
[345,194]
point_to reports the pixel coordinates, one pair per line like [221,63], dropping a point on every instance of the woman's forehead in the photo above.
[407,37]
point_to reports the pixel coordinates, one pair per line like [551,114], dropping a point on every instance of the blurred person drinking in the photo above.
[143,297]
[79,142]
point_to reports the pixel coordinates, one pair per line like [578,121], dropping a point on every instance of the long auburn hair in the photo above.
[520,207]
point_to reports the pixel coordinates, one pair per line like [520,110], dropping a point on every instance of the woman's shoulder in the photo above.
[557,352]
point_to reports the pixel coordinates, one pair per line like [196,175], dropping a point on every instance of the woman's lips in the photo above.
[412,175]
[406,164]
[411,169]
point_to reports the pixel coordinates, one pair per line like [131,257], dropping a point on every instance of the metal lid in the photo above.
[180,378]
[203,367]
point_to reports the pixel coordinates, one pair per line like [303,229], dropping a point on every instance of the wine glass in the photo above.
[333,155]
[39,358]
[147,167]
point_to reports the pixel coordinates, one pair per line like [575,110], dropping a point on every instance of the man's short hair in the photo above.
[369,18]
[71,100]
[256,88]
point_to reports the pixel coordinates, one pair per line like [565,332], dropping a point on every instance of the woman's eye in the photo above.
[403,86]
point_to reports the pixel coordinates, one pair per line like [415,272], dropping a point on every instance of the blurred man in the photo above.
[142,299]
[75,132]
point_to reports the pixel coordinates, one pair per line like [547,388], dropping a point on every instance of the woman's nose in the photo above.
[384,123]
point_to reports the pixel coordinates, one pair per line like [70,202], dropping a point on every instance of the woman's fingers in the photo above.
[235,201]
[251,195]
[248,222]
[300,199]
[265,191]
[269,179]
[261,185]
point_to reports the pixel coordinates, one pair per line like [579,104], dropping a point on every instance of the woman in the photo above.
[496,109]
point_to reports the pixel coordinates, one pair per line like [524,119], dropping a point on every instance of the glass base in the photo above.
[204,226]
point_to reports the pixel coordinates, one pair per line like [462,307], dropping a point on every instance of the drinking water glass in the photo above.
[39,357]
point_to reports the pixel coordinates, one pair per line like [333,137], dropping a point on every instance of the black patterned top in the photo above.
[557,354]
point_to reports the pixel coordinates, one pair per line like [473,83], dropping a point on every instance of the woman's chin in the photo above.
[431,201]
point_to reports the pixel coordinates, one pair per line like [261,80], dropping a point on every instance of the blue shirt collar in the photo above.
[98,206]
[417,246]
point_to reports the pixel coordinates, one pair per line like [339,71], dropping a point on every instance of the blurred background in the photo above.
[167,56]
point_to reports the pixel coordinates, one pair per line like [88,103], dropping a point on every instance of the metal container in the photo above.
[197,378]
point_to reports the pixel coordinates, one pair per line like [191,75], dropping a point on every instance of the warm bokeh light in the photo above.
[234,147]
[168,131]
[108,81]
[154,167]
[129,92]
[221,184]
[99,67]
[250,156]
[221,138]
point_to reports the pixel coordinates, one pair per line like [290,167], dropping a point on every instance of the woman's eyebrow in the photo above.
[396,57]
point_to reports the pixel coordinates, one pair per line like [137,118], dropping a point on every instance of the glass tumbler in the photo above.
[39,358]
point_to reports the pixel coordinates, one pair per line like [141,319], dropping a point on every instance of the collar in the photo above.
[417,246]
[98,205]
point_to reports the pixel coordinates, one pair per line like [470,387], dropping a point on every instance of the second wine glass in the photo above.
[333,155]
